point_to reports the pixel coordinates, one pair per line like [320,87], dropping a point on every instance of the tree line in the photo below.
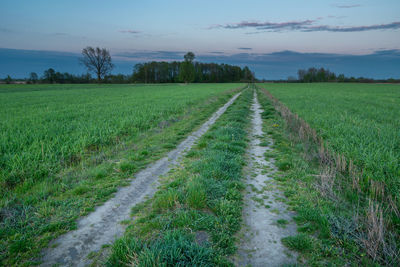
[170,72]
[312,74]
[98,62]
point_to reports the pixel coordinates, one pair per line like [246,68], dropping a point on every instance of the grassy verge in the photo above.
[192,219]
[31,217]
[333,229]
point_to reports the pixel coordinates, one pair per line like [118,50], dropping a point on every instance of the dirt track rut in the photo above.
[261,235]
[103,225]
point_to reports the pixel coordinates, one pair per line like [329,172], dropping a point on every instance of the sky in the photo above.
[344,35]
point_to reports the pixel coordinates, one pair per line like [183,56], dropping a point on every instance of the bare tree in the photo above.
[97,60]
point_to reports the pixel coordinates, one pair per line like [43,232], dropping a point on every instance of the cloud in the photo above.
[347,6]
[390,26]
[272,26]
[130,31]
[303,26]
[245,48]
[280,65]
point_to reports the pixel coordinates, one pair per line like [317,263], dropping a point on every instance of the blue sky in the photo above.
[137,31]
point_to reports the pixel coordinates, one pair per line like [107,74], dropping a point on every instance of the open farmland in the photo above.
[360,121]
[66,148]
[355,184]
[187,174]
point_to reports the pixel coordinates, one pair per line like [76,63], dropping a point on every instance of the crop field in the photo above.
[66,148]
[362,123]
[178,159]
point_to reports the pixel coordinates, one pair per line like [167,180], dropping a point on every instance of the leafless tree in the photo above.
[97,60]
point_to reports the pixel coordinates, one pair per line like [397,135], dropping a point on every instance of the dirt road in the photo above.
[262,232]
[103,225]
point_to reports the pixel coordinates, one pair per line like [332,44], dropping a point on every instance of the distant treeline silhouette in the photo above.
[98,61]
[324,75]
[151,72]
[169,72]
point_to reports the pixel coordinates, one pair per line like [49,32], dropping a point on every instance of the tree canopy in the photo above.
[170,72]
[97,60]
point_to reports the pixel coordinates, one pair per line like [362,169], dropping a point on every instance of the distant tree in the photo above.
[33,77]
[189,56]
[49,76]
[8,79]
[317,75]
[187,71]
[248,76]
[341,78]
[98,61]
[301,74]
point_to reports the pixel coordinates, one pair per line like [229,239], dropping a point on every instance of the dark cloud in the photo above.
[304,26]
[291,25]
[129,31]
[280,65]
[216,52]
[245,48]
[347,6]
[390,26]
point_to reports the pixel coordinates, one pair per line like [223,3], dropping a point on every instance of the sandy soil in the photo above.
[103,225]
[261,235]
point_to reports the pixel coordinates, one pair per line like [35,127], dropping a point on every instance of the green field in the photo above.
[360,121]
[66,148]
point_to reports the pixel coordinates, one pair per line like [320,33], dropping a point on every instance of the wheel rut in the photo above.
[261,234]
[103,225]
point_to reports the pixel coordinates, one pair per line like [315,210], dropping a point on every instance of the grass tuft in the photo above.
[300,242]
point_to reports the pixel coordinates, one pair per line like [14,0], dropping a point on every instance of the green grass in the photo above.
[282,223]
[359,121]
[201,199]
[67,148]
[300,242]
[333,221]
[362,123]
[175,248]
[50,127]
